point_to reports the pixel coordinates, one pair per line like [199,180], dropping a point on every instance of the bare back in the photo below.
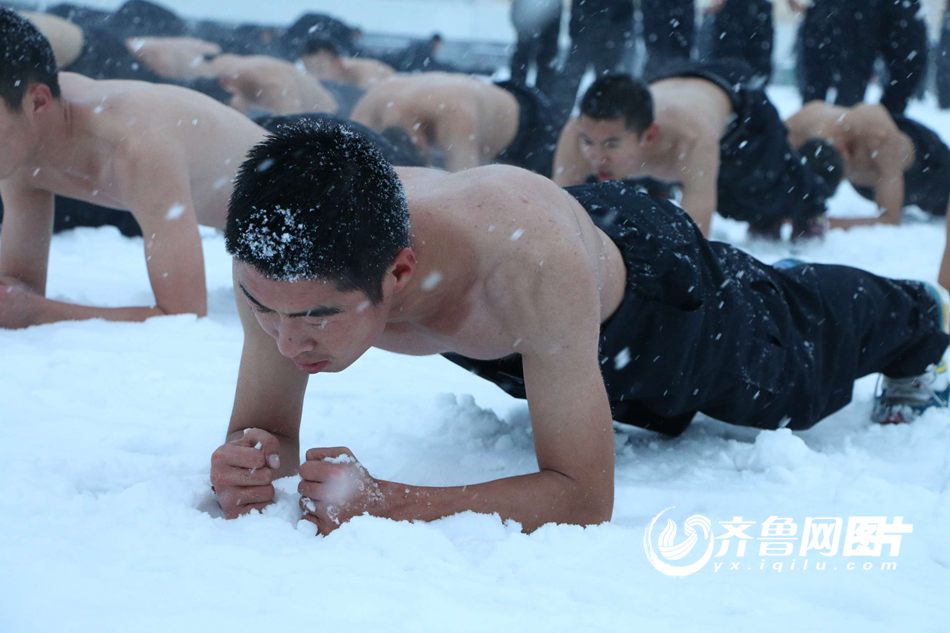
[460,114]
[114,121]
[516,245]
[688,111]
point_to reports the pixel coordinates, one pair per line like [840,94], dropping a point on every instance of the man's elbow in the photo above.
[199,310]
[593,506]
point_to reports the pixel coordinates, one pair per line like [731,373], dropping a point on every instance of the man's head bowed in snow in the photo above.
[318,202]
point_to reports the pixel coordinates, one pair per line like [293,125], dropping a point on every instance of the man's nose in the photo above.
[292,340]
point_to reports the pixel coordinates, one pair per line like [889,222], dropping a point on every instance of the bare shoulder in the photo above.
[532,236]
[493,190]
[873,117]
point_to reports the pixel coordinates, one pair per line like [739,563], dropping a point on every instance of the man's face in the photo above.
[611,149]
[16,144]
[318,327]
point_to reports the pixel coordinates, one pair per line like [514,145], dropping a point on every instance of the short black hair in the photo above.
[321,44]
[824,160]
[26,58]
[316,200]
[620,96]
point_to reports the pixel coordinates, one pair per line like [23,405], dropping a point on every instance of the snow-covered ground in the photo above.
[108,523]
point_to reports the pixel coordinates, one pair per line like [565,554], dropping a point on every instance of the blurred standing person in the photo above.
[839,41]
[743,29]
[668,31]
[943,67]
[538,25]
[601,32]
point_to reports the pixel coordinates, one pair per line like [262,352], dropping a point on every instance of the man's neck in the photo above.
[56,148]
[443,276]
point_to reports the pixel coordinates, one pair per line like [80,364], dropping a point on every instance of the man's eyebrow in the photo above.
[316,311]
[252,299]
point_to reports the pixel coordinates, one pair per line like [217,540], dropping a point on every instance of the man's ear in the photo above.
[402,268]
[38,98]
[650,135]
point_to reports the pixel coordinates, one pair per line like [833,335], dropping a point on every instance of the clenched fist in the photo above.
[243,471]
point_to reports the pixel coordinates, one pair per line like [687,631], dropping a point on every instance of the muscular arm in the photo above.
[700,191]
[570,167]
[269,392]
[888,186]
[26,234]
[570,417]
[557,318]
[159,194]
[262,440]
[456,132]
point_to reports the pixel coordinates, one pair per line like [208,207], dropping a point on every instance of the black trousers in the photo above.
[943,62]
[668,31]
[536,45]
[705,327]
[839,41]
[70,213]
[743,29]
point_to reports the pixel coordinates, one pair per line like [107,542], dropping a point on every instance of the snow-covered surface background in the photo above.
[108,523]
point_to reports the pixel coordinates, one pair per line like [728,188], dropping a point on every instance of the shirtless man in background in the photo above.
[700,127]
[266,85]
[464,121]
[322,59]
[890,159]
[166,154]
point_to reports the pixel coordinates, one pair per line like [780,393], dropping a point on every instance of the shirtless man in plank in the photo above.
[166,154]
[701,127]
[593,303]
[466,121]
[267,85]
[891,159]
[322,59]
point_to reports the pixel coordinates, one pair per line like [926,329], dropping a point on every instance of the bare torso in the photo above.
[366,73]
[259,82]
[858,132]
[489,245]
[111,118]
[686,110]
[431,106]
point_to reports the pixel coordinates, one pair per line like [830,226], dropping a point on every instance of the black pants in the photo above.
[943,62]
[70,213]
[839,41]
[705,327]
[538,129]
[536,45]
[668,31]
[927,181]
[743,29]
[601,34]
